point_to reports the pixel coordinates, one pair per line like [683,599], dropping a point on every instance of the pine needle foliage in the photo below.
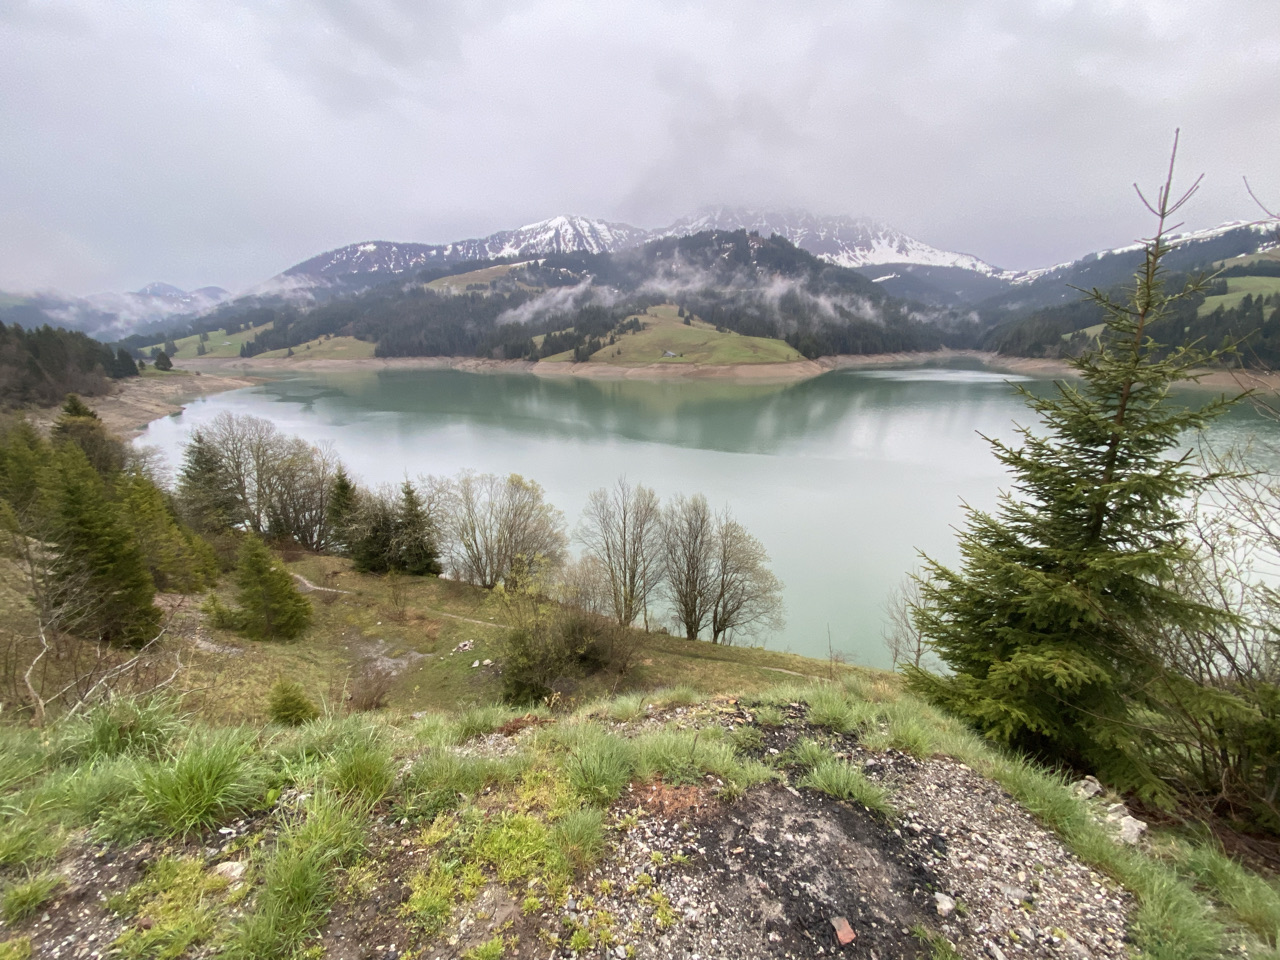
[271,608]
[1049,626]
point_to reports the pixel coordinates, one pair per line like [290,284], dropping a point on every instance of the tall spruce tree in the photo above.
[415,551]
[1049,625]
[271,608]
[341,510]
[100,571]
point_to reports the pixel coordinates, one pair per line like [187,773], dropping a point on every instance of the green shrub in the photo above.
[212,779]
[23,898]
[554,649]
[17,949]
[845,782]
[289,704]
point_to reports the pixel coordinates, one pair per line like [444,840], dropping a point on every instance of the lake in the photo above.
[844,478]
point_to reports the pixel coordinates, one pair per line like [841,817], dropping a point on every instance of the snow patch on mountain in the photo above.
[845,241]
[1177,240]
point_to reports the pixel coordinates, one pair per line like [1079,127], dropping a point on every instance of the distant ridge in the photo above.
[844,241]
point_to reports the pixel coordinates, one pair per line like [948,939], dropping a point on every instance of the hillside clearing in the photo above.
[696,342]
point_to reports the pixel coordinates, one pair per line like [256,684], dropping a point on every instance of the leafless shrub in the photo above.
[370,685]
[901,635]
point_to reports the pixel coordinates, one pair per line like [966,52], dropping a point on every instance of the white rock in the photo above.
[1088,787]
[945,904]
[1117,811]
[232,870]
[476,664]
[1131,829]
[487,663]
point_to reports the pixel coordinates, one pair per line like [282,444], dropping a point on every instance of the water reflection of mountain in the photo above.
[711,415]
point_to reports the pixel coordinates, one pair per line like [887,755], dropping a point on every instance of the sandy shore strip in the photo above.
[1220,380]
[136,401]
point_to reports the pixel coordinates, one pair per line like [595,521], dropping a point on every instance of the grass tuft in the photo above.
[141,728]
[580,836]
[23,898]
[845,782]
[212,779]
[298,881]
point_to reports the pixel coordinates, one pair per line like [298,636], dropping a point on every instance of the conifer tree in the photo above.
[271,608]
[415,551]
[340,510]
[206,492]
[80,425]
[99,571]
[1049,625]
[163,362]
[178,560]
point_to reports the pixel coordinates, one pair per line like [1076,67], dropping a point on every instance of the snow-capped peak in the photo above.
[845,241]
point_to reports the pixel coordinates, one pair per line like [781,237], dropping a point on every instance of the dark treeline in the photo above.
[1253,324]
[44,364]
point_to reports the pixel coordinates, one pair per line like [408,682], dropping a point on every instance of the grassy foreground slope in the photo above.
[446,825]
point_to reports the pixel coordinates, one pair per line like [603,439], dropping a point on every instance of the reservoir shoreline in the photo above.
[237,367]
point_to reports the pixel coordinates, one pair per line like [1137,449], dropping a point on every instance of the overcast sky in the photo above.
[216,142]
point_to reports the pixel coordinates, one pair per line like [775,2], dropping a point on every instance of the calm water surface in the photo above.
[845,478]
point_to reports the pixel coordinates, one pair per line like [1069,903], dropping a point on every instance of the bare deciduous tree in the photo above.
[688,548]
[745,595]
[495,527]
[716,573]
[901,635]
[273,484]
[621,529]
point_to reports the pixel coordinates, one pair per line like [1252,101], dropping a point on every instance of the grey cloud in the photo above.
[219,142]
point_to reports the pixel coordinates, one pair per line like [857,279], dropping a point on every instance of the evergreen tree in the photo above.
[178,560]
[340,510]
[206,492]
[79,425]
[271,608]
[415,551]
[372,536]
[163,362]
[124,365]
[100,570]
[1048,627]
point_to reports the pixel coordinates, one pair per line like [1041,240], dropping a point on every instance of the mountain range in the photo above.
[902,266]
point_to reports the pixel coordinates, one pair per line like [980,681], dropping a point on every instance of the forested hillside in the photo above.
[43,365]
[734,281]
